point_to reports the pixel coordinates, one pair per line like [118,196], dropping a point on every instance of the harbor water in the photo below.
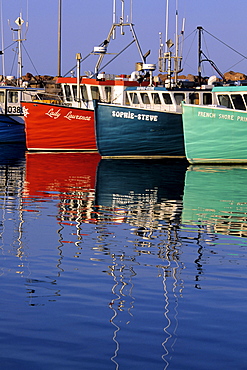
[121,264]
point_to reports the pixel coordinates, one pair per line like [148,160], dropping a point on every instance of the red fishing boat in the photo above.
[70,125]
[67,121]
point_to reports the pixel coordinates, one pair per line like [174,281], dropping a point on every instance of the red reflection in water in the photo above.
[49,174]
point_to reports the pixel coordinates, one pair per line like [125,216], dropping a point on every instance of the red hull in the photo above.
[55,127]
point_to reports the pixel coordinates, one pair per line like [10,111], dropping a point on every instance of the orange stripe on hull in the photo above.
[55,127]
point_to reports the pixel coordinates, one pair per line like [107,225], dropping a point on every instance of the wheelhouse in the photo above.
[160,98]
[107,89]
[232,97]
[11,97]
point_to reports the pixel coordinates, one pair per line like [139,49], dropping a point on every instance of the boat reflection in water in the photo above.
[69,177]
[12,173]
[58,187]
[215,199]
[147,195]
[122,220]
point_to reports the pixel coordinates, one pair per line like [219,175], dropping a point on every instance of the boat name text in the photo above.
[131,115]
[53,114]
[221,116]
[70,116]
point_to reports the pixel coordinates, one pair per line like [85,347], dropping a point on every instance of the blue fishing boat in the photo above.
[149,125]
[12,127]
[149,122]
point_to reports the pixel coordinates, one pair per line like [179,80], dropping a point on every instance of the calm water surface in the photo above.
[121,264]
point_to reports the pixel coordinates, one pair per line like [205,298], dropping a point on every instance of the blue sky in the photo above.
[86,23]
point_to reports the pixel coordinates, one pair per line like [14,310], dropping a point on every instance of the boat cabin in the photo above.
[106,88]
[232,97]
[162,99]
[11,97]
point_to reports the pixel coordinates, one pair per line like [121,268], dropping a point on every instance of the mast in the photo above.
[114,18]
[59,37]
[101,50]
[176,45]
[166,59]
[78,74]
[167,19]
[2,52]
[199,54]
[19,21]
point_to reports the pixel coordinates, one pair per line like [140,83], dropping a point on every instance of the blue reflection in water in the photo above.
[117,264]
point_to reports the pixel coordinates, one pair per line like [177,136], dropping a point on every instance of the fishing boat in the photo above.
[217,133]
[12,92]
[68,124]
[149,124]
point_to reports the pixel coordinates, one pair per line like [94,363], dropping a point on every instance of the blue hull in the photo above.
[132,132]
[11,131]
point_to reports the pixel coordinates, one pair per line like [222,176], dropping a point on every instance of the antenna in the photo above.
[3,59]
[19,22]
[114,19]
[167,17]
[122,18]
[131,11]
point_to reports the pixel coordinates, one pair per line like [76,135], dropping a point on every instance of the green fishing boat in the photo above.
[217,133]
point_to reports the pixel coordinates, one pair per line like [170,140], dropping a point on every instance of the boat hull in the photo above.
[214,134]
[11,131]
[128,132]
[55,127]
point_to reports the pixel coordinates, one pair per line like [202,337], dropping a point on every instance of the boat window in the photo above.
[84,94]
[127,102]
[1,97]
[245,98]
[225,101]
[179,97]
[156,98]
[74,89]
[134,98]
[13,97]
[194,98]
[207,98]
[95,92]
[167,98]
[67,93]
[238,102]
[108,94]
[145,98]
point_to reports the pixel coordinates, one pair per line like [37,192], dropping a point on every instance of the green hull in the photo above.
[214,134]
[215,199]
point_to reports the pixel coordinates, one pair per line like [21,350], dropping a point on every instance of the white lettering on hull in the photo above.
[206,114]
[131,115]
[69,116]
[229,117]
[221,116]
[52,114]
